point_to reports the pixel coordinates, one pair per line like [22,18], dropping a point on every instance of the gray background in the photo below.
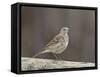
[40,25]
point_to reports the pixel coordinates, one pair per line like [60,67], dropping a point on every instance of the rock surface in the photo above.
[38,64]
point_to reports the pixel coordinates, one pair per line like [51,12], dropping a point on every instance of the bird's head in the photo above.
[64,30]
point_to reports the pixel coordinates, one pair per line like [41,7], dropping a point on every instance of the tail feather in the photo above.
[40,53]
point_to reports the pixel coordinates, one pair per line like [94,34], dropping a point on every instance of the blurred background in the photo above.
[40,25]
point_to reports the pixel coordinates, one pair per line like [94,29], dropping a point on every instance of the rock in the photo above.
[38,64]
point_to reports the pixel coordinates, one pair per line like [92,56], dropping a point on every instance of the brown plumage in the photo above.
[58,44]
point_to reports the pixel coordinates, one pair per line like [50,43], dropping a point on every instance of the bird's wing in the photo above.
[55,40]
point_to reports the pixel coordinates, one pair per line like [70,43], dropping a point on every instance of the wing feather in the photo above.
[55,40]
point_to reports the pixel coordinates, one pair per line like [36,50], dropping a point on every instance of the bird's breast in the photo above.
[62,45]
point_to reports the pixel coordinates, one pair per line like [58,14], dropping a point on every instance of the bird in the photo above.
[58,44]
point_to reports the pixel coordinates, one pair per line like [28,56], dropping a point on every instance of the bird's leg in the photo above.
[60,58]
[55,56]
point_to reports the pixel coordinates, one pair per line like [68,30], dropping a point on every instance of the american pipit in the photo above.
[58,44]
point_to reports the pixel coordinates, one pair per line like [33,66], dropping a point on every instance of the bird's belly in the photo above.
[59,49]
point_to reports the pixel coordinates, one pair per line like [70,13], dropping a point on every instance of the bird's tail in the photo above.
[45,51]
